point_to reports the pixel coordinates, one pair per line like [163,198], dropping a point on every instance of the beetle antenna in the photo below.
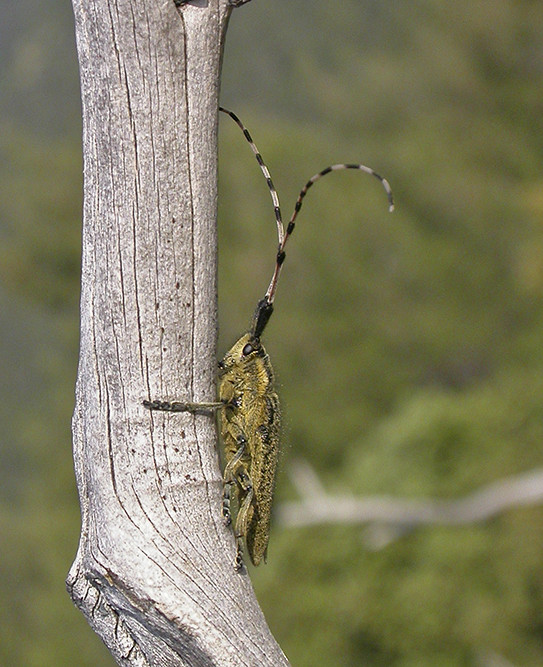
[265,171]
[270,294]
[264,308]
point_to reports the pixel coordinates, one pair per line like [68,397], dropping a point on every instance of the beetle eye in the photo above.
[247,349]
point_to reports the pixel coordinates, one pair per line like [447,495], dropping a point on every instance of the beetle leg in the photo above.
[165,406]
[245,483]
[229,478]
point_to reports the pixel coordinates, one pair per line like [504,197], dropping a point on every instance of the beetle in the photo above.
[250,416]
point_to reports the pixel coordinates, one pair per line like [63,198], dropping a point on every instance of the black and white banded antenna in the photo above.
[270,294]
[265,171]
[265,306]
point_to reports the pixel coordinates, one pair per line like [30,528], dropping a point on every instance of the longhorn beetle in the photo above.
[248,404]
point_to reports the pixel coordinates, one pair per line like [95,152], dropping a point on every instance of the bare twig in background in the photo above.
[318,507]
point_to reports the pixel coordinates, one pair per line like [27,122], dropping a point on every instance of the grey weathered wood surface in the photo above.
[154,571]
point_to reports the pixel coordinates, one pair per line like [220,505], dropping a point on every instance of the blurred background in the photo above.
[408,347]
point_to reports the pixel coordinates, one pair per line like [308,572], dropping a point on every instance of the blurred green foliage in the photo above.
[409,347]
